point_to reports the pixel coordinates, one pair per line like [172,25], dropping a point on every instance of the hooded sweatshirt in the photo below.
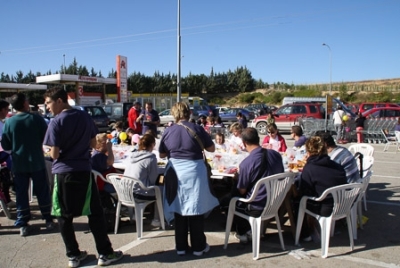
[143,166]
[319,174]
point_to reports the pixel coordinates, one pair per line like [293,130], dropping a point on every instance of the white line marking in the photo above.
[385,203]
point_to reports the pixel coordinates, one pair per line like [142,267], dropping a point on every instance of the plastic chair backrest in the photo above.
[365,181]
[343,198]
[124,186]
[364,149]
[98,174]
[397,134]
[277,186]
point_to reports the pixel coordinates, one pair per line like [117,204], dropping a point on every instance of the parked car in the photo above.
[166,116]
[369,105]
[260,108]
[99,116]
[229,116]
[118,111]
[382,112]
[205,110]
[287,116]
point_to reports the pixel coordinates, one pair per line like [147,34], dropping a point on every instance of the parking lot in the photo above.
[378,244]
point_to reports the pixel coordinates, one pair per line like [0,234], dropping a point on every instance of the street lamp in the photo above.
[178,77]
[64,68]
[330,67]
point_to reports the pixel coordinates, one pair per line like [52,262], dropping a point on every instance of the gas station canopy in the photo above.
[71,79]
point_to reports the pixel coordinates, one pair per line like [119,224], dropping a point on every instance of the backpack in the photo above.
[109,205]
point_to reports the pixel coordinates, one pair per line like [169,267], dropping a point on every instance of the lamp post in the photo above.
[178,77]
[330,67]
[64,68]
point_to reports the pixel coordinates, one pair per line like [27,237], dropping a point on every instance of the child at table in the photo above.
[102,161]
[143,166]
[220,142]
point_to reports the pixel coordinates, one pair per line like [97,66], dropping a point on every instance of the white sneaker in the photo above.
[244,239]
[199,253]
[156,223]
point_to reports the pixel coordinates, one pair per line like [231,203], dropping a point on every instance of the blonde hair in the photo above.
[100,138]
[236,126]
[146,142]
[315,146]
[180,110]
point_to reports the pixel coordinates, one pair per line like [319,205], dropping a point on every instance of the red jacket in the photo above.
[281,140]
[133,114]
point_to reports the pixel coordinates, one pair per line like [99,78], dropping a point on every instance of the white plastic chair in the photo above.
[343,199]
[390,141]
[277,186]
[368,162]
[364,149]
[124,186]
[356,210]
[98,174]
[3,205]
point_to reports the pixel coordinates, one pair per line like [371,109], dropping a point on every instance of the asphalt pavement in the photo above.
[378,244]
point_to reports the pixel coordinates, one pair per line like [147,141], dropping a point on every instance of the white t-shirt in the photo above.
[337,117]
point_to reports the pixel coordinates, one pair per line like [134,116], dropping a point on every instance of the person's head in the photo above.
[180,111]
[150,132]
[250,137]
[20,102]
[270,115]
[339,108]
[327,139]
[272,130]
[236,129]
[239,115]
[135,139]
[203,119]
[137,105]
[118,126]
[4,109]
[210,120]
[56,99]
[219,138]
[296,131]
[149,106]
[218,120]
[101,142]
[129,132]
[147,143]
[315,146]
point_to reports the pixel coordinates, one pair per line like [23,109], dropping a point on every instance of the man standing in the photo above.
[150,119]
[341,156]
[338,123]
[23,135]
[69,138]
[259,164]
[134,121]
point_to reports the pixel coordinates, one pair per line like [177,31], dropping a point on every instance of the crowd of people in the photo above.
[72,141]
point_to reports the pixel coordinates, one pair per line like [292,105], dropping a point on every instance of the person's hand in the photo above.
[109,145]
[267,146]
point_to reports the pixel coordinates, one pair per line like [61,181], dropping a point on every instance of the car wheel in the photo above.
[262,128]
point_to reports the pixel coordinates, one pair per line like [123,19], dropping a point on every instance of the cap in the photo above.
[136,138]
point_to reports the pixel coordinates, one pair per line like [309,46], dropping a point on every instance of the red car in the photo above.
[382,112]
[287,116]
[370,105]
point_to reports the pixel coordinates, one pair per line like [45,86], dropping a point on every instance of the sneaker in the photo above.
[307,239]
[76,260]
[156,223]
[24,230]
[181,252]
[11,204]
[50,225]
[199,253]
[244,239]
[105,260]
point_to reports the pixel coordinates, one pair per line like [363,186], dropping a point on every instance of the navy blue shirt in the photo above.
[150,116]
[250,167]
[71,131]
[178,143]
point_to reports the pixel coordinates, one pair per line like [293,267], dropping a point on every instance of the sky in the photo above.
[276,40]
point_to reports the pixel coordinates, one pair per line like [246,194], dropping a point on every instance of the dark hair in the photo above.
[327,138]
[297,130]
[146,141]
[4,104]
[56,93]
[18,101]
[239,114]
[250,136]
[219,134]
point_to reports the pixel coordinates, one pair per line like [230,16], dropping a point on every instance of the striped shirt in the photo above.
[345,158]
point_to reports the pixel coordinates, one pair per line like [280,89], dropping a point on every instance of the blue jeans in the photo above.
[40,188]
